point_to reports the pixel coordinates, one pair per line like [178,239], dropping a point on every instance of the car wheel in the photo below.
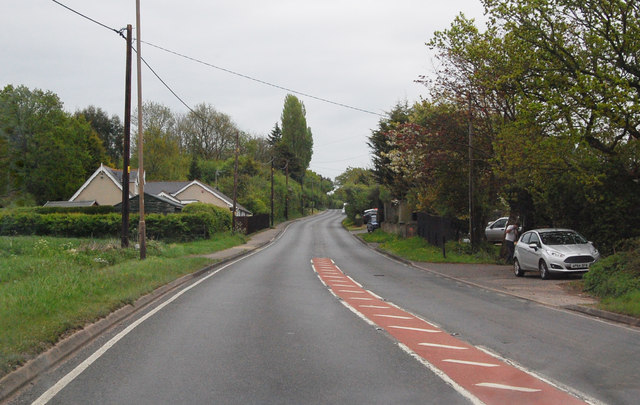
[544,270]
[517,269]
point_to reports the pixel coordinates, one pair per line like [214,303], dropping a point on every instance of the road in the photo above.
[316,317]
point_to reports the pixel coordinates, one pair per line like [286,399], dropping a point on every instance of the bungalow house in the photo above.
[105,187]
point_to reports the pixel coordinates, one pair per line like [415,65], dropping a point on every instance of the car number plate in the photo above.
[580,266]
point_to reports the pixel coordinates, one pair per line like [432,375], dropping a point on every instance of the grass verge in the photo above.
[50,287]
[419,250]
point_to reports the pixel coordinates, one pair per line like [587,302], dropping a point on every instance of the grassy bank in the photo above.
[616,280]
[52,286]
[419,250]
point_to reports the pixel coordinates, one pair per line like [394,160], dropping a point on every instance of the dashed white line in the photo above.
[443,346]
[471,363]
[393,316]
[507,387]
[415,329]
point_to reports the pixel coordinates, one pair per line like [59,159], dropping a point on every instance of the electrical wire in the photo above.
[120,33]
[262,81]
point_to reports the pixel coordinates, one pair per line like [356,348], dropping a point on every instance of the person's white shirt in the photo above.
[510,233]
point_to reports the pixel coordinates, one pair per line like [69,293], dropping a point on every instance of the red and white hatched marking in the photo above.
[479,376]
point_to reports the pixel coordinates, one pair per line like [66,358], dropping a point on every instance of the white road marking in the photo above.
[342,277]
[507,387]
[374,306]
[393,316]
[471,363]
[443,346]
[352,291]
[67,379]
[416,329]
[360,298]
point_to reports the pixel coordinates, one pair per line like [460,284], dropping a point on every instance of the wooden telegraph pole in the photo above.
[127,140]
[235,185]
[141,226]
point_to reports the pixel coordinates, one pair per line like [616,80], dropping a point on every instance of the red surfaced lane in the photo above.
[481,376]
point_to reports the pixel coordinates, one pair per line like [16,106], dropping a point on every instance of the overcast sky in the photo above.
[361,53]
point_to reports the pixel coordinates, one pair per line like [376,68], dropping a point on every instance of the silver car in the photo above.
[553,251]
[495,230]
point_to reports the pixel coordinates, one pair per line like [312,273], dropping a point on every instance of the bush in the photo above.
[201,224]
[616,275]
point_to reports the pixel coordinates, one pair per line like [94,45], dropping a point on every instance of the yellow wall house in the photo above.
[105,187]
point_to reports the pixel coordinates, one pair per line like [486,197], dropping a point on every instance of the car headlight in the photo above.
[555,254]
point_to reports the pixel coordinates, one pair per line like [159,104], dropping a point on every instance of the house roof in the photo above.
[117,173]
[114,174]
[70,203]
[174,188]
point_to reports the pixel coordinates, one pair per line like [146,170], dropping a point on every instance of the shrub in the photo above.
[201,224]
[617,274]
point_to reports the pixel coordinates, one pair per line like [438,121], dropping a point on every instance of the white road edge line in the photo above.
[67,379]
[448,380]
[545,380]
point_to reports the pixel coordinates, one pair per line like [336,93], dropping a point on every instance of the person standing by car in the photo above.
[510,237]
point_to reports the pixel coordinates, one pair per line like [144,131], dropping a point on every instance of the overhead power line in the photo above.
[244,76]
[120,33]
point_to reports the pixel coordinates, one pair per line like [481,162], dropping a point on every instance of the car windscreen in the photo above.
[562,238]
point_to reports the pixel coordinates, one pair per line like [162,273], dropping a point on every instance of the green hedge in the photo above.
[172,227]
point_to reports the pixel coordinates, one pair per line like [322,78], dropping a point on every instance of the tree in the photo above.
[47,152]
[296,136]
[378,142]
[109,130]
[207,133]
[162,158]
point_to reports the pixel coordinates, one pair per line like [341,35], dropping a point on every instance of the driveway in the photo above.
[556,292]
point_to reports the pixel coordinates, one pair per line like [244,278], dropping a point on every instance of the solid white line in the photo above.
[448,380]
[416,329]
[443,346]
[67,379]
[393,316]
[471,363]
[507,387]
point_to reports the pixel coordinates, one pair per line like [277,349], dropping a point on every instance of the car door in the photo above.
[531,255]
[495,233]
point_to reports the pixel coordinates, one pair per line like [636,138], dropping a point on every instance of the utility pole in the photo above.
[471,235]
[142,232]
[286,200]
[235,185]
[127,140]
[272,192]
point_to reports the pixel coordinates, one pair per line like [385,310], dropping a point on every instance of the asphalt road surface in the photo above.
[317,317]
